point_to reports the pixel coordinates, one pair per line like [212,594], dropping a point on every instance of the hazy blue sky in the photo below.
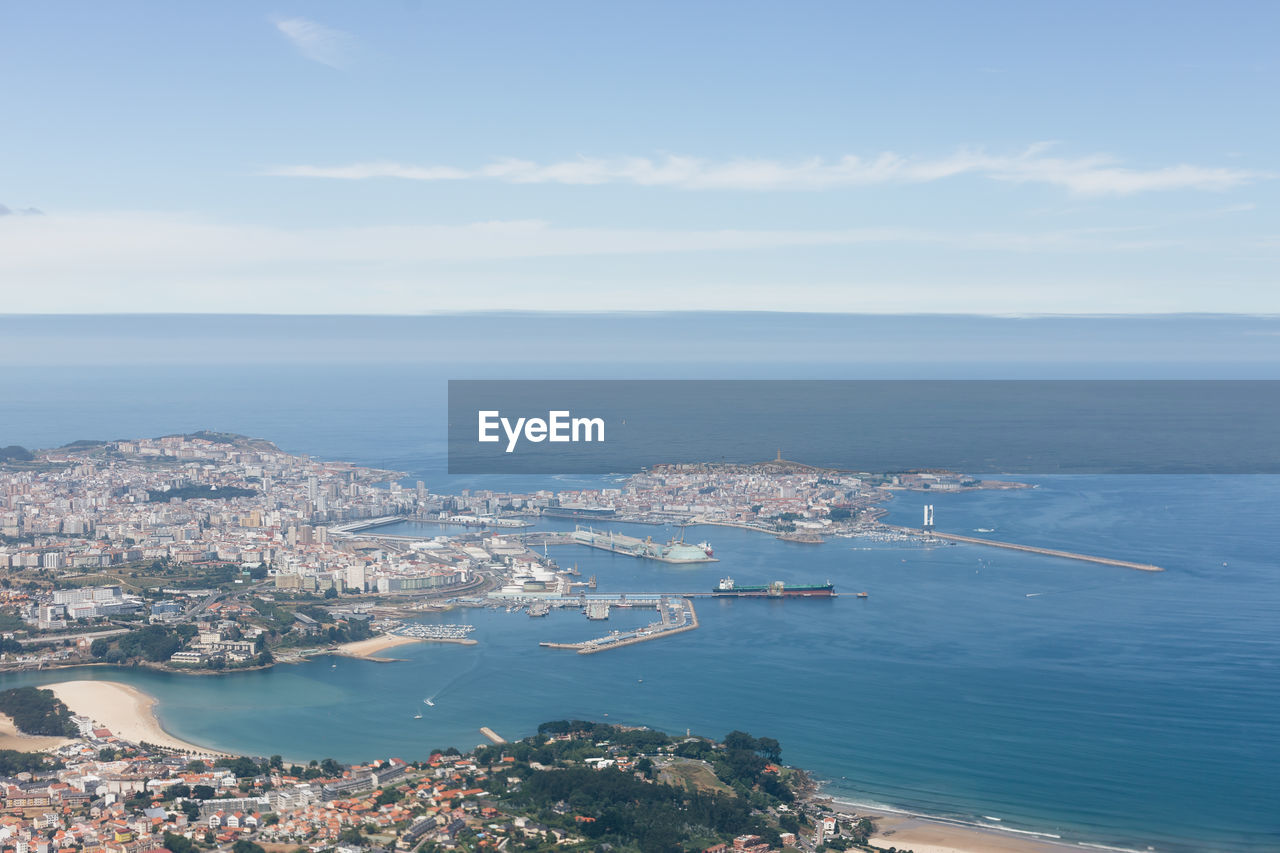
[856,156]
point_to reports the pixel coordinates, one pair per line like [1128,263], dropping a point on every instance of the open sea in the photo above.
[1094,703]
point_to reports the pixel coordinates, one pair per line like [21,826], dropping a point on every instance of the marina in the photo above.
[437,633]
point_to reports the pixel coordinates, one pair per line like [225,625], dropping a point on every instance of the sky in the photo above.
[414,157]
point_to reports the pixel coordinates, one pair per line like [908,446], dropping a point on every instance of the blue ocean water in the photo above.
[1093,702]
[1113,706]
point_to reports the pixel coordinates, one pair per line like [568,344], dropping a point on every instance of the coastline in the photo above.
[128,712]
[369,649]
[923,833]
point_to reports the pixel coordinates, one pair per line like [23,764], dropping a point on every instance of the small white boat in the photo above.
[417,716]
[429,702]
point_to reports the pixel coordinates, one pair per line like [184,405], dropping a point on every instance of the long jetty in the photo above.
[1032,549]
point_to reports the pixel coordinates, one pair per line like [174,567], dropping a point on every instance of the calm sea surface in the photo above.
[1092,702]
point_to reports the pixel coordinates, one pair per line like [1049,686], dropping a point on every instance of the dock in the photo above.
[675,617]
[1032,549]
[492,735]
[646,549]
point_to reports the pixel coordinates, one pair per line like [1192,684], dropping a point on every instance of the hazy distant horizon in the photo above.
[744,344]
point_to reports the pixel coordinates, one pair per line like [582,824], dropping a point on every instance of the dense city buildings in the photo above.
[211,550]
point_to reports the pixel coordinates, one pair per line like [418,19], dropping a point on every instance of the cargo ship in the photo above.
[777,589]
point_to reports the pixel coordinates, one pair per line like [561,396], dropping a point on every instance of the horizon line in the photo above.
[564,312]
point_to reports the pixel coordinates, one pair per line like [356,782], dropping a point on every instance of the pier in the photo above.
[361,525]
[675,617]
[368,527]
[543,537]
[1032,549]
[619,543]
[492,735]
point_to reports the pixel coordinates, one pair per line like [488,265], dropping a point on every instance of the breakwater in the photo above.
[676,617]
[1032,549]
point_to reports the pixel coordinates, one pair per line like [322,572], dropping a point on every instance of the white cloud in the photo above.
[1093,175]
[155,241]
[317,42]
[154,263]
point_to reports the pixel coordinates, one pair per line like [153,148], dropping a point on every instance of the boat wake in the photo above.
[476,660]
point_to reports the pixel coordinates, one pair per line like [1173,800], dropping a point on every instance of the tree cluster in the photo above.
[653,817]
[37,712]
[153,643]
[13,762]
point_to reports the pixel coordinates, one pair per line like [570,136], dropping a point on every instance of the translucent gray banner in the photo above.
[1021,427]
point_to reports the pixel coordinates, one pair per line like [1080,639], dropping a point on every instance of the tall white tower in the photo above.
[928,516]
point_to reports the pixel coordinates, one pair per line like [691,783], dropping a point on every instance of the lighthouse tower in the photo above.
[928,518]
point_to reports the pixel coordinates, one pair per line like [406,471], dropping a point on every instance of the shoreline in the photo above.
[369,649]
[129,713]
[925,833]
[895,827]
[126,711]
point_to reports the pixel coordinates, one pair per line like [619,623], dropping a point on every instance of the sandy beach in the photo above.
[930,835]
[126,711]
[11,738]
[368,649]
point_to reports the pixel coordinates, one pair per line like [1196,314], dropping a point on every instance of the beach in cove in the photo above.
[127,711]
[372,648]
[129,714]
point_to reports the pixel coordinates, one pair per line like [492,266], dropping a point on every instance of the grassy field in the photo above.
[686,771]
[139,578]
